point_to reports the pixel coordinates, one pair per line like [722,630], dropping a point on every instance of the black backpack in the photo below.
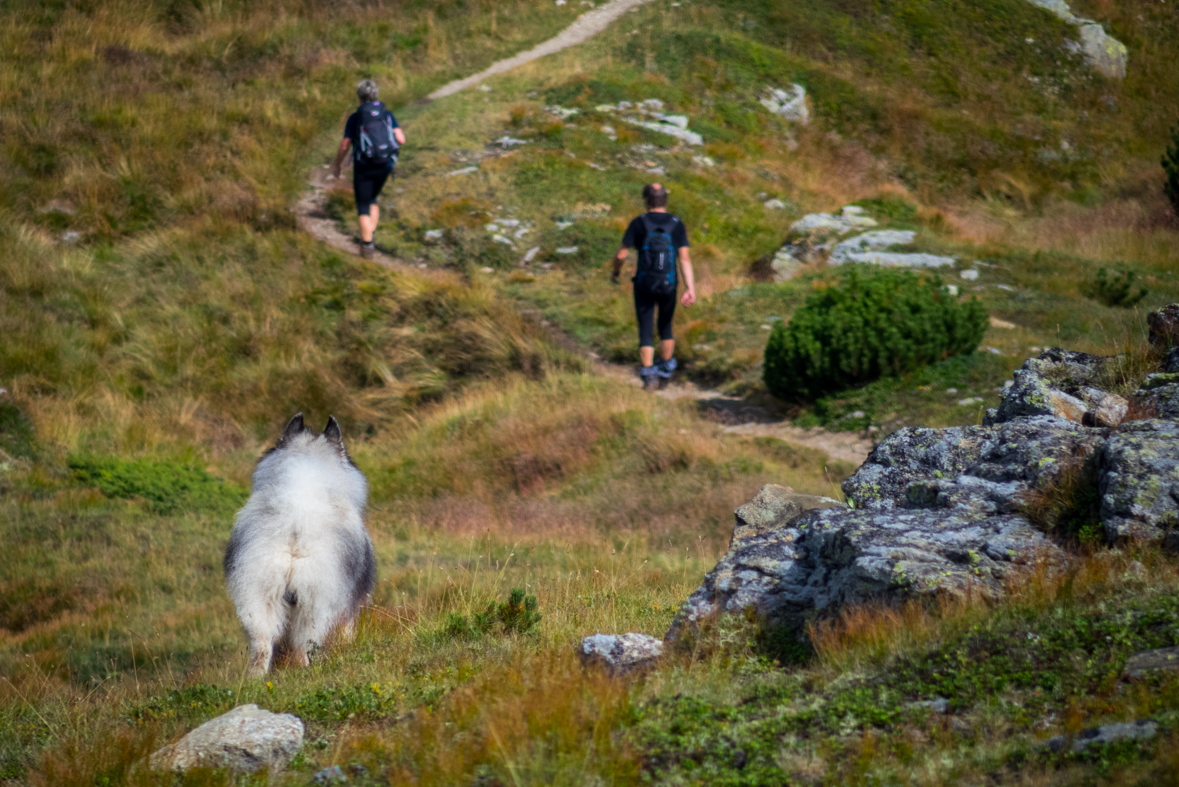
[377,144]
[656,269]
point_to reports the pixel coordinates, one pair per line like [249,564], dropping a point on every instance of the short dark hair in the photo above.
[655,195]
[367,91]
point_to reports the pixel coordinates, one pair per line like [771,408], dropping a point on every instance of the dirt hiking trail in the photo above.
[738,415]
[586,27]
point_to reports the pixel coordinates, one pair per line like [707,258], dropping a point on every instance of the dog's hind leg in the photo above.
[264,616]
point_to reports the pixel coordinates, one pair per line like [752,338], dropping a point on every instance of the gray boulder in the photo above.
[829,558]
[1147,662]
[989,469]
[1160,394]
[246,739]
[1138,480]
[1164,326]
[871,248]
[620,653]
[1171,363]
[1110,733]
[1063,384]
[773,506]
[1101,51]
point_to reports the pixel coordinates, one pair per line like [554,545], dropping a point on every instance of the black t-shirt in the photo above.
[636,233]
[352,131]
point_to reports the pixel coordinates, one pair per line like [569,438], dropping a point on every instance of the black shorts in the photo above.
[367,184]
[645,306]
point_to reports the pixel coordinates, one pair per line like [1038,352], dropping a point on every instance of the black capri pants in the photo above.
[367,184]
[645,305]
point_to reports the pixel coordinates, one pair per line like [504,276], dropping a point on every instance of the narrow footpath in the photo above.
[740,416]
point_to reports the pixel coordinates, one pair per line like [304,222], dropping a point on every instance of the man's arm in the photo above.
[343,151]
[689,296]
[399,135]
[619,259]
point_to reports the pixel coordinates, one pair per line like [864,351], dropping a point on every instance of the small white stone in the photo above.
[775,204]
[567,250]
[487,270]
[969,274]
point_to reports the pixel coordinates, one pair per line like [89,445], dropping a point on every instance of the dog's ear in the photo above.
[294,427]
[332,431]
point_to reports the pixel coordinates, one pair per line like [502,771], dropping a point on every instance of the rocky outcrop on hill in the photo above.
[943,511]
[816,237]
[1100,50]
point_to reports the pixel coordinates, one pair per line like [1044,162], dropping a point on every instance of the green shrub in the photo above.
[1171,171]
[163,486]
[1115,289]
[517,615]
[16,432]
[872,323]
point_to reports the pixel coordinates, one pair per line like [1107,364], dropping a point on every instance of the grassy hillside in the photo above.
[162,318]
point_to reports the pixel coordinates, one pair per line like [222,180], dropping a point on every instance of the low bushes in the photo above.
[870,324]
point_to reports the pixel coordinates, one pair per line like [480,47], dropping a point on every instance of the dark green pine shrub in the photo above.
[873,323]
[1116,289]
[1171,171]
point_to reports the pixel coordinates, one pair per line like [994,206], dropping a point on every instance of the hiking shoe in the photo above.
[650,377]
[666,368]
[367,250]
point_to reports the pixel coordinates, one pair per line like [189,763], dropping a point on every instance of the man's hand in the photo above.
[689,296]
[614,277]
[336,171]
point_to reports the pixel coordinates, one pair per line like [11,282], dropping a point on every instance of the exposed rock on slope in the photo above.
[940,510]
[1101,50]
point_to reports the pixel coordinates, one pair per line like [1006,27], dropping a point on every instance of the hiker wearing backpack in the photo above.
[374,136]
[661,239]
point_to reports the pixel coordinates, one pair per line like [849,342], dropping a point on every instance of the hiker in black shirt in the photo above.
[661,241]
[374,136]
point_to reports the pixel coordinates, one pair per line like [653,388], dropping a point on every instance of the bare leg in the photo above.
[368,224]
[647,356]
[666,349]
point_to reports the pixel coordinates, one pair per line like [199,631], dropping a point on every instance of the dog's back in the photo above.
[300,562]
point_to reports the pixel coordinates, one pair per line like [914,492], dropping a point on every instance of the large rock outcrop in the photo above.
[942,511]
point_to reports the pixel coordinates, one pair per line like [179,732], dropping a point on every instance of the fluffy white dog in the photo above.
[300,562]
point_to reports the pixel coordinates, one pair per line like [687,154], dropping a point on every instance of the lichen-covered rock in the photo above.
[774,506]
[989,469]
[1138,479]
[1142,730]
[1164,326]
[1057,382]
[620,653]
[246,739]
[1147,662]
[1160,393]
[1171,362]
[830,558]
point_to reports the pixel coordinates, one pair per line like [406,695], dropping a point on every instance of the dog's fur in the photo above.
[300,563]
